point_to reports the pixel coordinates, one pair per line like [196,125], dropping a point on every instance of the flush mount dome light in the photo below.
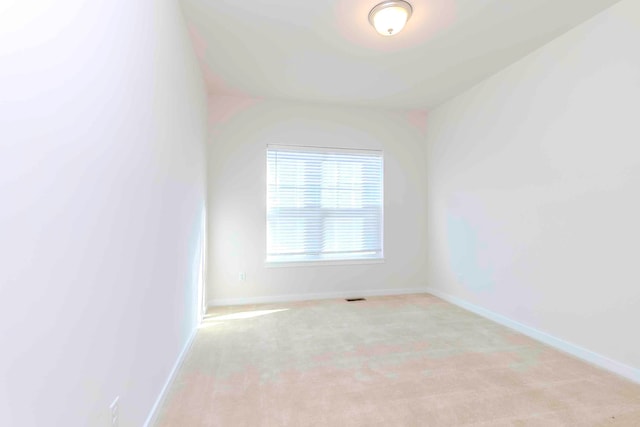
[390,17]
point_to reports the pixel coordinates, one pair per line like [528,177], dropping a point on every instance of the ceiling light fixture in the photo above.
[390,17]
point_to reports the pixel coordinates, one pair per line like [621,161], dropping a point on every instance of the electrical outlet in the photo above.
[114,412]
[242,276]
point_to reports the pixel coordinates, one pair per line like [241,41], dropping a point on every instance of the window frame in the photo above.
[273,263]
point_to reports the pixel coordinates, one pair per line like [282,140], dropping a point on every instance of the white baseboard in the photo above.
[599,360]
[214,302]
[153,414]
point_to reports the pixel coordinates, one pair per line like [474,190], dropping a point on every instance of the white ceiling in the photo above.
[326,50]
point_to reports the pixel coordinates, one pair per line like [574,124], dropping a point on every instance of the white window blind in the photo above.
[323,204]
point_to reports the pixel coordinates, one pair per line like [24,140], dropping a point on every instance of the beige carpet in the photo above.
[390,361]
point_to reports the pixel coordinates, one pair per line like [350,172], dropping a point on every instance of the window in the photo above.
[323,204]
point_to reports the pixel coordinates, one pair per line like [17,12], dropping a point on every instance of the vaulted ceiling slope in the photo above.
[326,50]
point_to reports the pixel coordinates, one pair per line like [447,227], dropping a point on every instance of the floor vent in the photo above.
[355,299]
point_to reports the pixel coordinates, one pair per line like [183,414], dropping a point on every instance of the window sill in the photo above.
[327,263]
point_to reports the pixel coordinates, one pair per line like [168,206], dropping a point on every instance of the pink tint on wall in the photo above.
[224,108]
[418,119]
[427,21]
[216,84]
[198,42]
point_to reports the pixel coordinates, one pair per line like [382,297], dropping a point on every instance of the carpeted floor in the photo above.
[410,360]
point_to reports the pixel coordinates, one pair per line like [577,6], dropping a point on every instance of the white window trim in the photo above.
[323,263]
[325,149]
[335,262]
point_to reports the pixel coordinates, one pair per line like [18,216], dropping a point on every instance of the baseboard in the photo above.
[214,302]
[153,414]
[589,356]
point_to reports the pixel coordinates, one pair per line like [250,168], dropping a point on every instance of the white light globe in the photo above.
[389,18]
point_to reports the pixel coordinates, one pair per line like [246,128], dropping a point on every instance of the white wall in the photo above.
[534,184]
[240,130]
[102,191]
